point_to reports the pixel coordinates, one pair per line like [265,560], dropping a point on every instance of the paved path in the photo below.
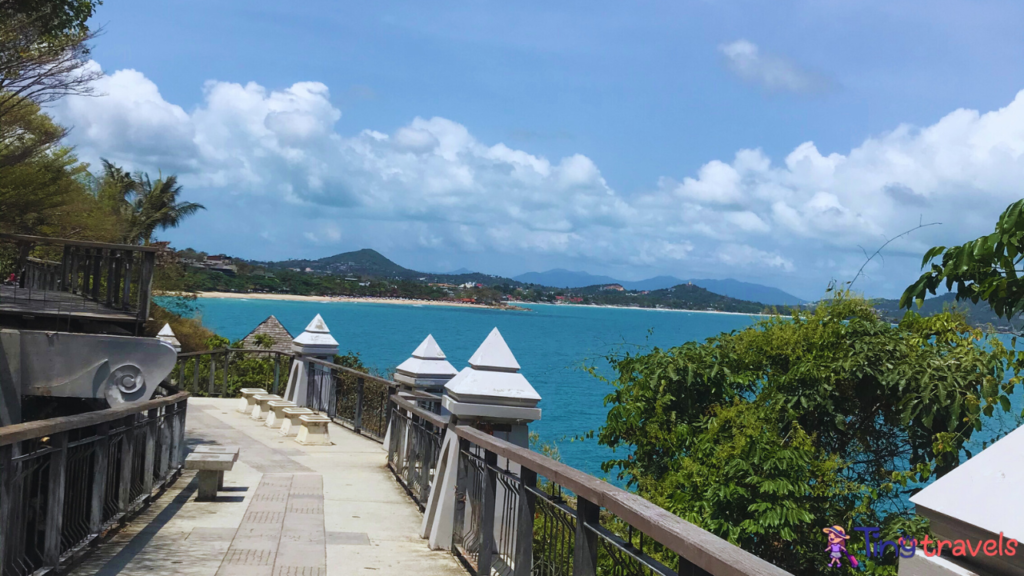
[286,510]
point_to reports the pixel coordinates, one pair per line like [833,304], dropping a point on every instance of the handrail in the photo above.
[82,243]
[351,371]
[439,421]
[700,547]
[28,430]
[222,350]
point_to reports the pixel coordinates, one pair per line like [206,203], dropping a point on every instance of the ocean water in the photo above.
[551,343]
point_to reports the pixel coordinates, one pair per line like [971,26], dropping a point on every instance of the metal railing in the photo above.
[222,372]
[415,445]
[520,513]
[351,397]
[65,481]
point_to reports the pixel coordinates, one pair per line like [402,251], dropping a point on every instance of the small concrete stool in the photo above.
[313,430]
[275,412]
[207,449]
[290,424]
[259,410]
[210,467]
[245,406]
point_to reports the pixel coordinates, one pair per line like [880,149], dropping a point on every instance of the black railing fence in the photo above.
[65,481]
[519,513]
[222,372]
[415,446]
[349,397]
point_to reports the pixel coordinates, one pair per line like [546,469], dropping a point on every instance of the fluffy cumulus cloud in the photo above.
[772,72]
[432,185]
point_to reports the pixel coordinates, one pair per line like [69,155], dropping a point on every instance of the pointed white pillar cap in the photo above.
[427,368]
[167,335]
[316,340]
[492,388]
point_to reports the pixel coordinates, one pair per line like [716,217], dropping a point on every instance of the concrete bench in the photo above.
[214,449]
[247,402]
[275,412]
[211,467]
[313,430]
[259,410]
[290,424]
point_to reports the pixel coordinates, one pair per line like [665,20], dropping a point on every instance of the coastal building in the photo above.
[273,329]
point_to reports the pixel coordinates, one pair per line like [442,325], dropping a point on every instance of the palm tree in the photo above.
[155,205]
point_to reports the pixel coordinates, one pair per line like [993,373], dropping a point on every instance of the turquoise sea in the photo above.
[550,342]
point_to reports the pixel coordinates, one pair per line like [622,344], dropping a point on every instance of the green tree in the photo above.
[986,269]
[156,205]
[766,435]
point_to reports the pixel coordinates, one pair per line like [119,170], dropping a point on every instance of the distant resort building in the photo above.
[273,328]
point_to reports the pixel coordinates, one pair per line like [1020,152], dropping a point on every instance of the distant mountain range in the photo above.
[562,278]
[980,314]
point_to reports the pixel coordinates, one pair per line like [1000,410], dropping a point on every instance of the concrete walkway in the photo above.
[286,510]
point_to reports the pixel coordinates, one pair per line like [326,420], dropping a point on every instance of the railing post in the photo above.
[181,373]
[687,568]
[423,452]
[485,555]
[150,456]
[6,495]
[277,373]
[357,418]
[65,261]
[584,557]
[195,373]
[55,499]
[126,296]
[127,447]
[227,363]
[112,276]
[101,462]
[146,283]
[524,527]
[177,433]
[97,265]
[213,375]
[165,428]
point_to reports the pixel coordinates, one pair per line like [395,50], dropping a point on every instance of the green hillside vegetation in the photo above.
[980,315]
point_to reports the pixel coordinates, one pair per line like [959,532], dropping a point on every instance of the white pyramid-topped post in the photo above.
[490,395]
[315,342]
[427,369]
[167,335]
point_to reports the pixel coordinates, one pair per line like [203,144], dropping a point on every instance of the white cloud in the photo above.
[747,61]
[432,184]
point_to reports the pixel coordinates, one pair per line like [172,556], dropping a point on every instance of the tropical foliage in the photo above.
[763,436]
[987,269]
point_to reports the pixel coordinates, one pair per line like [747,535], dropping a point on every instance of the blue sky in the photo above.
[629,139]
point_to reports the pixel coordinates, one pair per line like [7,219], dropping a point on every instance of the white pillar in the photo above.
[490,392]
[167,335]
[426,370]
[315,342]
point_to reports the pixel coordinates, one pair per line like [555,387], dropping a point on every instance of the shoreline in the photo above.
[353,299]
[407,301]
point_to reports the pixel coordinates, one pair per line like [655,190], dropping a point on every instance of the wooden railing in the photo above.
[521,513]
[111,278]
[65,481]
[349,397]
[415,443]
[222,372]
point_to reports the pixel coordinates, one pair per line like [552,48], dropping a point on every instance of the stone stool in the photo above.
[259,410]
[313,430]
[290,424]
[247,403]
[211,467]
[208,449]
[275,412]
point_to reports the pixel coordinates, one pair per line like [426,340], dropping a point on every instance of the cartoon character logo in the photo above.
[837,547]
